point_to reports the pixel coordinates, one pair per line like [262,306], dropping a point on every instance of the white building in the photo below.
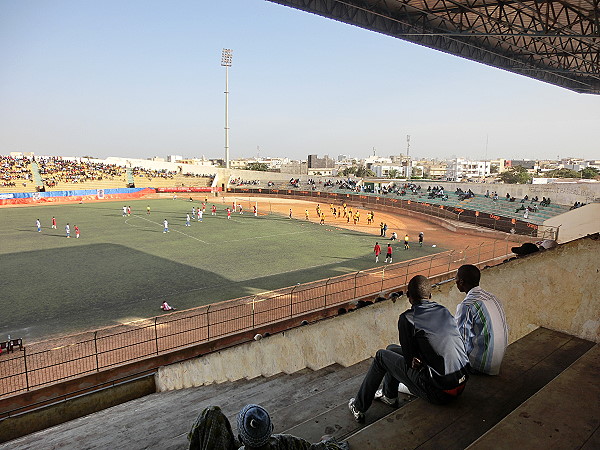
[459,169]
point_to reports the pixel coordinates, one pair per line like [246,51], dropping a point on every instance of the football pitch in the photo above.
[122,268]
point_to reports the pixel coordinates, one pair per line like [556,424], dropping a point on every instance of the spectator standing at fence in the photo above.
[53,222]
[291,213]
[430,361]
[388,255]
[385,227]
[481,322]
[377,250]
[166,226]
[68,230]
[38,225]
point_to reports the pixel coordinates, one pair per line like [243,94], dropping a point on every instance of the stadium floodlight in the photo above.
[226,59]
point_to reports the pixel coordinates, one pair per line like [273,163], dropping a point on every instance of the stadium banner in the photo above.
[187,189]
[23,198]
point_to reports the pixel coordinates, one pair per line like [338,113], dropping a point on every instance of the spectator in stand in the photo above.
[430,361]
[482,323]
[212,431]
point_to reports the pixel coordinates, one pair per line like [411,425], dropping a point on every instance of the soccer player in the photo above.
[322,221]
[68,230]
[53,222]
[76,232]
[406,246]
[228,214]
[193,211]
[166,225]
[200,214]
[377,250]
[148,210]
[290,213]
[213,210]
[124,211]
[306,213]
[421,239]
[203,207]
[166,307]
[187,220]
[129,210]
[255,210]
[38,225]
[388,256]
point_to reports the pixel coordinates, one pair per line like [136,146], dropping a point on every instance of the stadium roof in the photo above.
[553,41]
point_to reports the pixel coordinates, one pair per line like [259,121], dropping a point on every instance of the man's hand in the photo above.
[416,363]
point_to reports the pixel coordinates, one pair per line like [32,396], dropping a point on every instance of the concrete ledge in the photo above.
[72,408]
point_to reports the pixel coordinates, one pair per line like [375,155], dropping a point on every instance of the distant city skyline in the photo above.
[143,78]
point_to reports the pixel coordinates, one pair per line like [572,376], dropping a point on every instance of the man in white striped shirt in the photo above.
[481,323]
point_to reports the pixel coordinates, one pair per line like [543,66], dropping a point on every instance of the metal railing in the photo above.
[69,357]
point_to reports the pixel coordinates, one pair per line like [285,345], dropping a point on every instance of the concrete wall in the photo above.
[576,223]
[556,289]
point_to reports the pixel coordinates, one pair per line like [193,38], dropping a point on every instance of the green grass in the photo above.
[121,269]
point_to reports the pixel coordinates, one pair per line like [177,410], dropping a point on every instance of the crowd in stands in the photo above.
[56,170]
[13,170]
[437,192]
[576,205]
[239,182]
[464,195]
[152,173]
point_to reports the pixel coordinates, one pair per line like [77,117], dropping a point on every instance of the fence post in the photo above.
[96,350]
[208,323]
[25,364]
[494,249]
[479,253]
[325,299]
[430,264]
[156,335]
[382,278]
[253,303]
[355,275]
[292,302]
[450,259]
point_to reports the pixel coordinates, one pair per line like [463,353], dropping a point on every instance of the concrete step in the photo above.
[563,414]
[529,364]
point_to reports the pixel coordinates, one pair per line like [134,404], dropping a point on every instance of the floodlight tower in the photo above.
[408,156]
[226,58]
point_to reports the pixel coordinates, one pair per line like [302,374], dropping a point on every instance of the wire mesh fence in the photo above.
[74,356]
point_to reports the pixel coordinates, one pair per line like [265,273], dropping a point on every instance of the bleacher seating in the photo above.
[65,175]
[310,404]
[15,175]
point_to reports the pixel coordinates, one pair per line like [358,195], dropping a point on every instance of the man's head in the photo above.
[254,426]
[419,288]
[467,277]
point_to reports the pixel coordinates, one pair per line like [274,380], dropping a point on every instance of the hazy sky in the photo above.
[143,78]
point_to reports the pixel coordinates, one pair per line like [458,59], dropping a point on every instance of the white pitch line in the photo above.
[175,231]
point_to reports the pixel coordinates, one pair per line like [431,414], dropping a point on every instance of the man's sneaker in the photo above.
[382,398]
[358,416]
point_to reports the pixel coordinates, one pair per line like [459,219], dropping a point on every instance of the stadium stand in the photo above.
[16,175]
[60,174]
[165,179]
